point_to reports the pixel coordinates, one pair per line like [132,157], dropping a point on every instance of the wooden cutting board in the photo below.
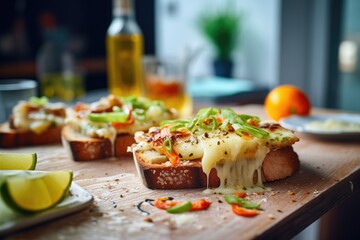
[329,173]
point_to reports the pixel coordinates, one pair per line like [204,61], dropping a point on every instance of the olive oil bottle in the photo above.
[124,43]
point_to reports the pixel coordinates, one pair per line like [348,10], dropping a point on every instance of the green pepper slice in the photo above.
[185,207]
[232,199]
[39,101]
[108,117]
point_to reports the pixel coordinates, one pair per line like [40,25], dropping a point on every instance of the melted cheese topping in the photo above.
[37,119]
[237,160]
[154,115]
[91,129]
[189,148]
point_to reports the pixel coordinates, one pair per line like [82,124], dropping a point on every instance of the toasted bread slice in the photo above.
[10,138]
[83,148]
[218,149]
[278,164]
[33,122]
[106,128]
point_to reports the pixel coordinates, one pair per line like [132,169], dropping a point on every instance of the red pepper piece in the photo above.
[201,204]
[240,194]
[243,211]
[164,203]
[130,120]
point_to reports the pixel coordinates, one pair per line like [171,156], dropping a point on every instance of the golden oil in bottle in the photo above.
[124,45]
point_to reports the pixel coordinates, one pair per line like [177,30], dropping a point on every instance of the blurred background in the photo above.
[313,44]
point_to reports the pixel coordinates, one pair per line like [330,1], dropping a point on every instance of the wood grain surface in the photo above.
[329,173]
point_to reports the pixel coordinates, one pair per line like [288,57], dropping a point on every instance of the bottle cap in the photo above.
[122,7]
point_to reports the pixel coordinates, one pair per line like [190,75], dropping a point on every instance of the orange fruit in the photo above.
[286,100]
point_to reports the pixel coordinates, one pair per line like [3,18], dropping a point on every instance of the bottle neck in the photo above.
[123,8]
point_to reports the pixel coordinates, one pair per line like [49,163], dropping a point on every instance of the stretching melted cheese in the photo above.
[237,160]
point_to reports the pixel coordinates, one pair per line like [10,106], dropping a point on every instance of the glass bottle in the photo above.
[57,70]
[124,43]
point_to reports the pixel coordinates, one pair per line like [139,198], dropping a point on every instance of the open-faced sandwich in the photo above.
[218,148]
[33,122]
[106,128]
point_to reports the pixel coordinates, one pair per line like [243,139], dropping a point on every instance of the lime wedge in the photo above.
[18,161]
[32,191]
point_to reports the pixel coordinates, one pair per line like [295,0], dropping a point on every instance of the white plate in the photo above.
[11,222]
[297,123]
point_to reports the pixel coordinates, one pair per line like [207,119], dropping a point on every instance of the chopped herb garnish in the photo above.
[117,109]
[137,107]
[139,114]
[39,101]
[209,119]
[168,145]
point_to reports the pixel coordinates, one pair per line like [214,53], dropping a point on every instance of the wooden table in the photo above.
[329,174]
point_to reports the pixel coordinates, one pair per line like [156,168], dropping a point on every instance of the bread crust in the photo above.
[278,164]
[83,148]
[10,138]
[122,142]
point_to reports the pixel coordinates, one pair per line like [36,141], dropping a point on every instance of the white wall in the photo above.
[257,57]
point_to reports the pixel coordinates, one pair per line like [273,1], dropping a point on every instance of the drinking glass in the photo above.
[166,80]
[11,92]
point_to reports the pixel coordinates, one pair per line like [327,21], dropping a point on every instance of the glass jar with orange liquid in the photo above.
[124,45]
[166,80]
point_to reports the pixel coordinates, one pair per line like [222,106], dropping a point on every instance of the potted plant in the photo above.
[221,28]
